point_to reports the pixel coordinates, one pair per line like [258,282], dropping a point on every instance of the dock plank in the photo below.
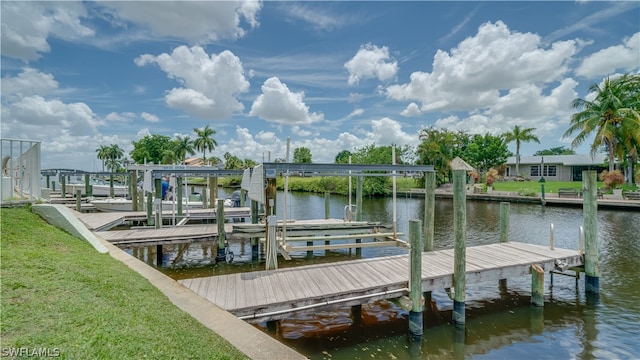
[274,294]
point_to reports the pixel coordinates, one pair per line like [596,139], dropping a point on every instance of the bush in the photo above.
[612,179]
[527,192]
[491,176]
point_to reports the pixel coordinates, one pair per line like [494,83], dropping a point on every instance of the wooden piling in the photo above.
[359,198]
[590,211]
[111,190]
[87,184]
[221,233]
[204,198]
[63,190]
[159,255]
[415,279]
[134,190]
[150,220]
[179,195]
[78,200]
[537,285]
[327,205]
[505,208]
[157,203]
[255,245]
[429,209]
[459,257]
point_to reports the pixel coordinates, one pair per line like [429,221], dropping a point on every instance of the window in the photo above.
[549,170]
[535,170]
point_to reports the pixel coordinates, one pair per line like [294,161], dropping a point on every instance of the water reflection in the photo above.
[500,321]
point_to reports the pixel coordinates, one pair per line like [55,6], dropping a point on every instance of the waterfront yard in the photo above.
[59,294]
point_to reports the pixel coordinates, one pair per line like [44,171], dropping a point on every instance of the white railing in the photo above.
[20,170]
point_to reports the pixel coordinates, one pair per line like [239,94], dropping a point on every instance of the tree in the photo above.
[560,150]
[232,162]
[183,146]
[612,116]
[343,157]
[438,147]
[486,151]
[520,135]
[302,155]
[103,153]
[150,149]
[204,140]
[372,154]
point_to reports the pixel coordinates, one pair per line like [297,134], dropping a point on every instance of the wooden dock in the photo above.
[273,294]
[166,235]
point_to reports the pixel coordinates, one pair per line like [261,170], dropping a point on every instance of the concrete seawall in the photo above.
[246,338]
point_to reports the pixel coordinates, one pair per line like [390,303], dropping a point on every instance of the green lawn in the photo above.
[549,186]
[59,293]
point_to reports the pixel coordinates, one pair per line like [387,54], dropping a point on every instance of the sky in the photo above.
[329,76]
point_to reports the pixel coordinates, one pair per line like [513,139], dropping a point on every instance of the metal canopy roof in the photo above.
[347,169]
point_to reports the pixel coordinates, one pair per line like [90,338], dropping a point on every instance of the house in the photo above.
[194,162]
[556,167]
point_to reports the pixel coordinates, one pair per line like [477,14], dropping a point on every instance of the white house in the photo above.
[556,167]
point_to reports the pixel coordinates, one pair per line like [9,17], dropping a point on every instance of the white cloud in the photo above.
[411,110]
[27,83]
[197,22]
[211,83]
[370,62]
[149,117]
[472,75]
[120,117]
[296,130]
[624,57]
[278,104]
[27,25]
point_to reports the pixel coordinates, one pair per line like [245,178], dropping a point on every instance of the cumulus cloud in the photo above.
[26,26]
[371,62]
[624,57]
[197,22]
[210,82]
[27,83]
[411,110]
[280,105]
[149,117]
[472,75]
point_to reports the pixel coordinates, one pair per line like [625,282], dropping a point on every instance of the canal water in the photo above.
[501,324]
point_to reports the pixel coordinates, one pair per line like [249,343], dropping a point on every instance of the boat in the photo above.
[122,204]
[98,188]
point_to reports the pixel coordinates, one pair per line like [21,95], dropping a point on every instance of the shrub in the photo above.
[612,179]
[527,192]
[491,176]
[474,176]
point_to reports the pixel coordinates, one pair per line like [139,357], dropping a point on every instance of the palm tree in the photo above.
[204,140]
[183,147]
[103,153]
[613,115]
[520,135]
[113,157]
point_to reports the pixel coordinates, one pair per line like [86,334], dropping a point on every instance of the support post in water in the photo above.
[327,205]
[415,280]
[221,234]
[78,200]
[429,209]
[590,211]
[159,255]
[134,190]
[157,203]
[255,245]
[359,198]
[150,221]
[460,252]
[537,285]
[179,195]
[505,208]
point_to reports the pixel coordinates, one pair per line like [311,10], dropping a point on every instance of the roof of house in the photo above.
[567,160]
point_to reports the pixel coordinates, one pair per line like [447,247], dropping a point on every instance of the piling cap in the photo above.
[459,164]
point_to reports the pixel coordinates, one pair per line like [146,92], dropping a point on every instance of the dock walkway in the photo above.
[274,294]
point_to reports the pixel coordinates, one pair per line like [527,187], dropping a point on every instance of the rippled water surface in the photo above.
[501,324]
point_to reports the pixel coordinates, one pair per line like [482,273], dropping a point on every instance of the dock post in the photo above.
[505,209]
[537,285]
[150,220]
[221,234]
[327,205]
[204,198]
[459,256]
[359,198]
[356,315]
[213,186]
[78,200]
[48,177]
[415,280]
[63,185]
[157,202]
[53,186]
[590,211]
[429,209]
[87,184]
[134,190]
[180,196]
[271,245]
[255,245]
[111,191]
